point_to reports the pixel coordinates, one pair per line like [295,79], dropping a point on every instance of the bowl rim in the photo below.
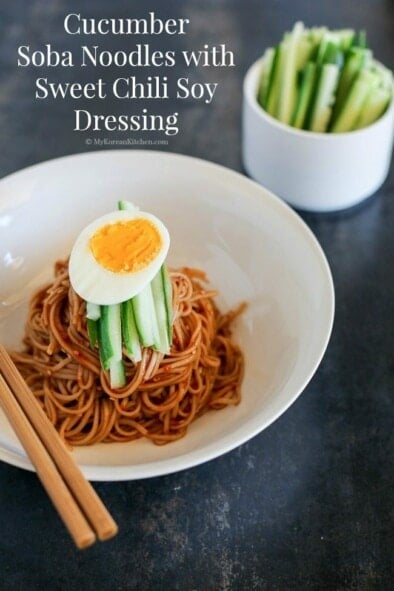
[249,93]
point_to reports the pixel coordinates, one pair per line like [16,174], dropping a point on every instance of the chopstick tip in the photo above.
[86,540]
[108,532]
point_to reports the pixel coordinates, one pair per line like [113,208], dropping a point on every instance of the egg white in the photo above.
[98,285]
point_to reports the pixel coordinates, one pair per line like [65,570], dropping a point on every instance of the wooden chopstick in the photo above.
[47,472]
[35,428]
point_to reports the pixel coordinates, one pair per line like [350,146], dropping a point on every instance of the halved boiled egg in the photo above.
[117,255]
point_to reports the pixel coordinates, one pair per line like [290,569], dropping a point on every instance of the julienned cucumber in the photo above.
[268,60]
[110,344]
[287,95]
[145,318]
[110,335]
[148,316]
[127,205]
[92,315]
[374,106]
[143,321]
[158,296]
[355,61]
[117,374]
[321,108]
[92,331]
[314,78]
[305,94]
[92,311]
[353,105]
[167,287]
[129,332]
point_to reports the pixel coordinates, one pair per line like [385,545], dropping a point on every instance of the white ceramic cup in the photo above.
[313,171]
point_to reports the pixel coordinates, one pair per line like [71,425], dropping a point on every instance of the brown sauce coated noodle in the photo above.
[163,393]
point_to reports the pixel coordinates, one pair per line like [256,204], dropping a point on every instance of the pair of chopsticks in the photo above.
[81,510]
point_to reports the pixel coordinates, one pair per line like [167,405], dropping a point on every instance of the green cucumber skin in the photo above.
[110,344]
[353,105]
[305,94]
[346,38]
[110,336]
[267,65]
[145,318]
[327,103]
[92,326]
[375,105]
[273,85]
[129,331]
[361,39]
[167,287]
[105,350]
[133,323]
[124,205]
[355,61]
[288,94]
[324,100]
[161,312]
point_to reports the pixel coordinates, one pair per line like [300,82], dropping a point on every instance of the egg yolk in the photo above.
[126,246]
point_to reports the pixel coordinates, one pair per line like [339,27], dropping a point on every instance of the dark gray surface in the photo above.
[305,505]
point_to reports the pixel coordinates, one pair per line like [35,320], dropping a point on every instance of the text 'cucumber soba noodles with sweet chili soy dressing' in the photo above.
[119,347]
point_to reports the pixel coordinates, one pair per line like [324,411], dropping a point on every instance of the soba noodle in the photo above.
[163,394]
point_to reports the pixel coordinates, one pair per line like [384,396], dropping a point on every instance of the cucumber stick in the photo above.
[315,35]
[117,374]
[324,98]
[352,107]
[278,89]
[161,312]
[92,326]
[374,106]
[305,94]
[288,74]
[272,95]
[361,39]
[167,287]
[304,52]
[145,318]
[92,311]
[143,321]
[385,75]
[266,69]
[149,330]
[328,62]
[355,62]
[309,80]
[110,343]
[346,38]
[129,332]
[110,334]
[127,205]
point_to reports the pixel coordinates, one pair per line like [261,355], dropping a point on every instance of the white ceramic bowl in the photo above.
[252,245]
[313,171]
